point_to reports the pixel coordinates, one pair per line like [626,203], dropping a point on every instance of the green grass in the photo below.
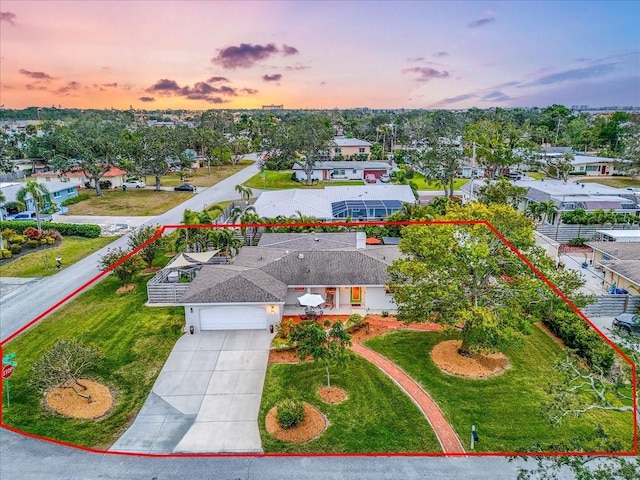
[71,250]
[536,175]
[376,417]
[132,202]
[425,184]
[281,180]
[201,176]
[617,182]
[506,409]
[135,340]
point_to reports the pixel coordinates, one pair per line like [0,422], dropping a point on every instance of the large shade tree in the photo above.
[465,275]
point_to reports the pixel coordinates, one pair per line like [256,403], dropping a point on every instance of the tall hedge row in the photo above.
[578,335]
[65,229]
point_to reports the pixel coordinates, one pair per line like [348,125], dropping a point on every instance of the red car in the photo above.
[370,178]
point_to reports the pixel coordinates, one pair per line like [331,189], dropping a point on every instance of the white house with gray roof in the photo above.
[342,170]
[263,283]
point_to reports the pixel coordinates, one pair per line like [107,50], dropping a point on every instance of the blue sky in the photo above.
[206,54]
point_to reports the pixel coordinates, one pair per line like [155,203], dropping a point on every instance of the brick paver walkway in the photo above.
[446,436]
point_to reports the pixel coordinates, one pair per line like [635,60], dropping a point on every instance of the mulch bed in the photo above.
[149,271]
[446,357]
[332,394]
[125,289]
[564,248]
[68,403]
[312,426]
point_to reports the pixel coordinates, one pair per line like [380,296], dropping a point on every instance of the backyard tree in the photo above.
[326,347]
[126,269]
[144,234]
[465,275]
[39,193]
[502,191]
[64,365]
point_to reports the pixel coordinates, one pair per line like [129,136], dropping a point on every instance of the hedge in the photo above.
[65,229]
[578,335]
[79,198]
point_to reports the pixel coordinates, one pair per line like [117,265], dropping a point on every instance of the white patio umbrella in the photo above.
[311,300]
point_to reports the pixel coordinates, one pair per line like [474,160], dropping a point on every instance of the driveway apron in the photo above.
[206,398]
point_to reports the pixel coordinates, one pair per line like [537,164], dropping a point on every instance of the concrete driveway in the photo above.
[206,398]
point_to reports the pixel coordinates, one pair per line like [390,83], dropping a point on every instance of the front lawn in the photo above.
[617,182]
[41,262]
[507,409]
[425,184]
[376,417]
[132,202]
[135,341]
[281,180]
[202,177]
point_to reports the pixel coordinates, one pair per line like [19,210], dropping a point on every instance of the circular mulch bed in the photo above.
[149,271]
[332,394]
[125,289]
[68,403]
[446,357]
[312,426]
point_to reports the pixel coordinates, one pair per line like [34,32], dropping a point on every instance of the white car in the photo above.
[133,184]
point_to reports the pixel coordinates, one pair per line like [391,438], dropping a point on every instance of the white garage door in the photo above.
[233,318]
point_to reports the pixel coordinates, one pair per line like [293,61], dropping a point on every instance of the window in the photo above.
[69,190]
[337,150]
[338,171]
[354,171]
[581,168]
[361,150]
[592,168]
[56,194]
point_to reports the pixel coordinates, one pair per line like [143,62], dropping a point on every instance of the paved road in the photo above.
[25,304]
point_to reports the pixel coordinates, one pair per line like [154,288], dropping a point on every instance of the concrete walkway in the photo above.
[446,436]
[206,398]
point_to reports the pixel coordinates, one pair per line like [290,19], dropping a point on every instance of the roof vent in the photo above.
[301,256]
[316,239]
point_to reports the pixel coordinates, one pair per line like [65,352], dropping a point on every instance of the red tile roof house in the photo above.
[114,175]
[263,283]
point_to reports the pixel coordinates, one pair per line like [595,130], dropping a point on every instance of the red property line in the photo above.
[161,230]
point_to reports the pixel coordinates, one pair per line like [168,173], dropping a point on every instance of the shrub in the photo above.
[43,241]
[15,248]
[385,313]
[79,198]
[577,242]
[32,243]
[32,233]
[50,241]
[290,413]
[8,233]
[18,239]
[284,328]
[51,233]
[5,253]
[66,229]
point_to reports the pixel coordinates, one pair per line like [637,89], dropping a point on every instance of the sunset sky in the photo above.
[243,54]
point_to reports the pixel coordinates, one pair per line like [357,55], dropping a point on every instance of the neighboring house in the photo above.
[625,274]
[263,283]
[568,196]
[366,202]
[619,236]
[342,170]
[114,175]
[58,193]
[597,166]
[620,261]
[349,148]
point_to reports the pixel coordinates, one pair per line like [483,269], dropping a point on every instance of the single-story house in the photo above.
[596,166]
[366,202]
[264,283]
[625,274]
[619,236]
[344,147]
[342,170]
[114,175]
[58,193]
[605,251]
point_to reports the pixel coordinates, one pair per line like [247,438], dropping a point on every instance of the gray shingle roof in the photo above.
[618,250]
[629,269]
[328,268]
[221,285]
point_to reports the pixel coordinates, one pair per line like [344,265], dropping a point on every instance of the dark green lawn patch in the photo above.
[135,341]
[376,417]
[506,409]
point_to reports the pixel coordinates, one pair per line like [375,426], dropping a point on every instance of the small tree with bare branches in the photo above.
[64,365]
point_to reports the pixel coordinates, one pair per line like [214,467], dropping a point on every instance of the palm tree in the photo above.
[549,209]
[39,193]
[245,192]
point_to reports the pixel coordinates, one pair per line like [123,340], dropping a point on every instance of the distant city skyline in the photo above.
[245,54]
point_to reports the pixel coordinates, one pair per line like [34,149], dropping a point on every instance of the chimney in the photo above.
[361,240]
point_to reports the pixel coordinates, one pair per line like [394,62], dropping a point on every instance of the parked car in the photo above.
[133,184]
[627,322]
[385,178]
[30,215]
[370,178]
[185,187]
